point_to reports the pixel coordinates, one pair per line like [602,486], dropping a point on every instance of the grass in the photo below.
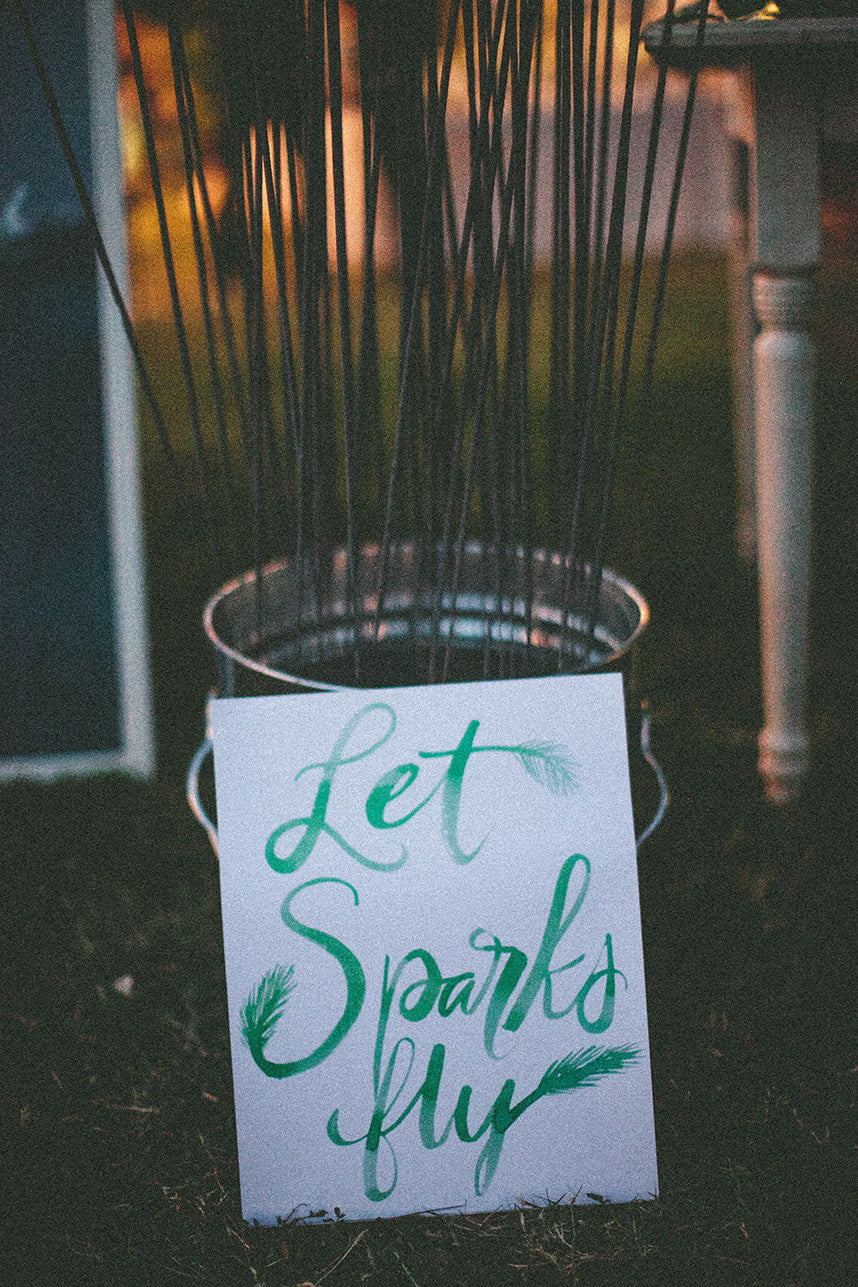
[119,1144]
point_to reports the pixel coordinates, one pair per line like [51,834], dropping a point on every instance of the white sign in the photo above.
[433,948]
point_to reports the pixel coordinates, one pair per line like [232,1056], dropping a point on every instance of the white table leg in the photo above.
[786,228]
[784,377]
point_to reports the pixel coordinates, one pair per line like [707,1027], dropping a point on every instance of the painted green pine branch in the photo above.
[547,764]
[574,1071]
[585,1067]
[264,1007]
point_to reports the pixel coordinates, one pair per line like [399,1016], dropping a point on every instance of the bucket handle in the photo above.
[206,747]
[663,791]
[192,785]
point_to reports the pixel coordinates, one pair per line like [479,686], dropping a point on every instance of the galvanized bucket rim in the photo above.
[370,550]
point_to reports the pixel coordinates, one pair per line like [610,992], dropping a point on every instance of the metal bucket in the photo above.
[278,633]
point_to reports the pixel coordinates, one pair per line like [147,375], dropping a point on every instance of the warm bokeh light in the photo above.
[705,180]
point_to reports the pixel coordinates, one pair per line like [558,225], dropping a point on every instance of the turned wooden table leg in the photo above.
[784,371]
[786,232]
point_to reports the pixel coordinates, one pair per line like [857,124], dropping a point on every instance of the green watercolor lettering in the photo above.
[574,1071]
[316,824]
[450,994]
[451,798]
[388,787]
[428,987]
[514,967]
[258,1034]
[428,1097]
[376,1134]
[544,762]
[449,1000]
[556,926]
[497,950]
[609,974]
[419,1010]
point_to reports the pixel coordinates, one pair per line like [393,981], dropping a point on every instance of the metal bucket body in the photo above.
[277,632]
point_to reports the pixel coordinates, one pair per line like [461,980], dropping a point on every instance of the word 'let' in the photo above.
[381,807]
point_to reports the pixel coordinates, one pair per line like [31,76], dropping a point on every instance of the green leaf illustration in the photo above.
[586,1067]
[548,764]
[574,1071]
[263,1008]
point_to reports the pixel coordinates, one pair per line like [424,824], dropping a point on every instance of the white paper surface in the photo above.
[483,831]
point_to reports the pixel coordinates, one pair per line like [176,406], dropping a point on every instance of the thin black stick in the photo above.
[404,381]
[369,439]
[533,168]
[176,58]
[618,411]
[258,370]
[590,109]
[178,317]
[265,188]
[481,192]
[345,318]
[607,313]
[215,246]
[558,396]
[516,162]
[523,464]
[288,372]
[642,417]
[601,162]
[582,216]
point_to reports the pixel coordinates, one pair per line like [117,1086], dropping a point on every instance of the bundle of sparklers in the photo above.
[416,311]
